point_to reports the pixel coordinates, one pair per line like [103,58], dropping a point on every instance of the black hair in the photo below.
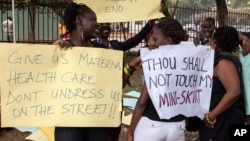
[226,38]
[10,18]
[106,24]
[210,20]
[72,12]
[172,28]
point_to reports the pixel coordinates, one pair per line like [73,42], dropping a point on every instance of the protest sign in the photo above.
[245,61]
[179,79]
[124,10]
[42,85]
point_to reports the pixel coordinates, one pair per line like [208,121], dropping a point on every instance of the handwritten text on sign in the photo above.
[179,79]
[124,10]
[43,86]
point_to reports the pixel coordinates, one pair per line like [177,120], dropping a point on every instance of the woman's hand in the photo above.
[130,137]
[63,44]
[245,46]
[209,120]
[135,62]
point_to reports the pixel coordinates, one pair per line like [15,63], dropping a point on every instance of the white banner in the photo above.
[179,79]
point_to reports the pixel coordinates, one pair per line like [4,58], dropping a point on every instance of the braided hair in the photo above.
[226,37]
[172,28]
[71,14]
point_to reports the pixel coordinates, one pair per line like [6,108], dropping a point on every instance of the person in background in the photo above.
[8,29]
[105,30]
[168,31]
[227,103]
[245,43]
[207,29]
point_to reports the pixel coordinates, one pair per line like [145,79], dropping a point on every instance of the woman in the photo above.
[81,24]
[168,31]
[227,104]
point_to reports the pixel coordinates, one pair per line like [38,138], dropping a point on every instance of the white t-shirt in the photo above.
[7,26]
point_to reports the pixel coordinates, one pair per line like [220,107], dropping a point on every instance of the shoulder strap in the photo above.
[229,57]
[237,63]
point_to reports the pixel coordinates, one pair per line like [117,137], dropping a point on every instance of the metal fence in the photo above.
[45,26]
[43,29]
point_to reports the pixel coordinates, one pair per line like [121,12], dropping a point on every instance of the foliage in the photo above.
[57,6]
[34,6]
[237,3]
[198,3]
[171,7]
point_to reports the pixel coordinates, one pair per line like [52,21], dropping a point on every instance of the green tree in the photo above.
[170,7]
[237,3]
[199,3]
[222,11]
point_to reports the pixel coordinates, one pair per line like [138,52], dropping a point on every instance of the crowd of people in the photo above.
[227,102]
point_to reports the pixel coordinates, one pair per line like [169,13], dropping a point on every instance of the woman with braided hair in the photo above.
[81,24]
[227,104]
[146,125]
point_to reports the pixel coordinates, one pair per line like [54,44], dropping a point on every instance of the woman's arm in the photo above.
[136,39]
[129,68]
[245,41]
[137,113]
[227,73]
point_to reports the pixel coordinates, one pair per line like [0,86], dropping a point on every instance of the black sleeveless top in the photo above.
[218,89]
[152,114]
[95,44]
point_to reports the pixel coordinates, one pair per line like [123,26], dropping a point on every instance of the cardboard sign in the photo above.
[124,10]
[42,85]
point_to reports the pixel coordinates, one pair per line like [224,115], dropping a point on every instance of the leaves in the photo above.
[57,6]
